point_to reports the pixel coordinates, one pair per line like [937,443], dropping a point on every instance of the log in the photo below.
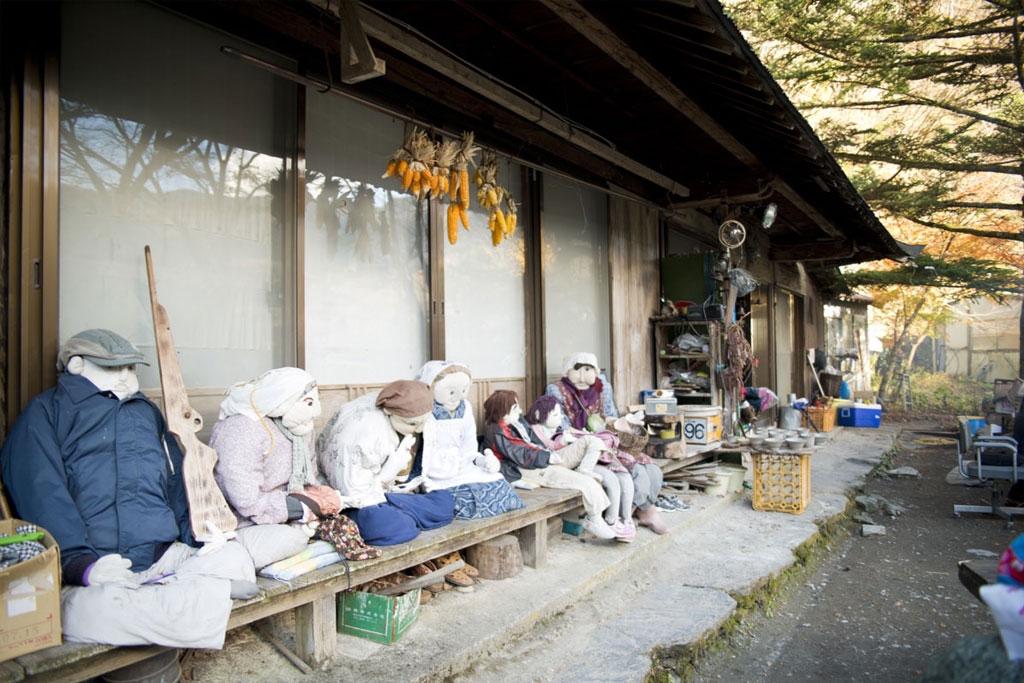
[496,558]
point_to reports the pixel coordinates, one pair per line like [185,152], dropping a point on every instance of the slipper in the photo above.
[459,579]
[452,558]
[423,570]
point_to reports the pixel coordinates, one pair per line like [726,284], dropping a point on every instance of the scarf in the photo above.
[442,413]
[302,472]
[579,405]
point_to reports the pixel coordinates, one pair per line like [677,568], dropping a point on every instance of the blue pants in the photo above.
[403,516]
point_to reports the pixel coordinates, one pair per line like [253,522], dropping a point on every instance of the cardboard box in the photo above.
[702,430]
[860,415]
[383,619]
[30,592]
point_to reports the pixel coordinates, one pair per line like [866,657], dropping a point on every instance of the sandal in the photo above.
[424,569]
[452,558]
[459,579]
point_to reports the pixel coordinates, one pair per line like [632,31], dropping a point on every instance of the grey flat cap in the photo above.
[102,347]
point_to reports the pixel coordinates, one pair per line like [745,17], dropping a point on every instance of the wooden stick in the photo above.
[282,648]
[421,581]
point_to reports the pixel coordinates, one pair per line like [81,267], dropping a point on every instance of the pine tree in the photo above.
[922,102]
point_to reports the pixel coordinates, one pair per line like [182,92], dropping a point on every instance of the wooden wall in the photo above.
[634,298]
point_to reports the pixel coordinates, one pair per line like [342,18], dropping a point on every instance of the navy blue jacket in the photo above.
[92,470]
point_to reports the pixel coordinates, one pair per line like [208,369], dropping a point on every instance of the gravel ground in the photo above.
[879,608]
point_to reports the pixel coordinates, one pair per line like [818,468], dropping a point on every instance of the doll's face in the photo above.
[408,426]
[582,376]
[452,389]
[299,418]
[554,420]
[120,381]
[513,414]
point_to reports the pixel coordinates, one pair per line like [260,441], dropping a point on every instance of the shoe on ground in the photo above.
[598,527]
[651,518]
[665,505]
[625,531]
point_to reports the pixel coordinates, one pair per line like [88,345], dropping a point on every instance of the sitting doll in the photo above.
[362,450]
[545,415]
[448,458]
[510,438]
[266,466]
[91,461]
[587,401]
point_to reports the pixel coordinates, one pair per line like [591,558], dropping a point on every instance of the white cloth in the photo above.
[432,368]
[190,608]
[356,452]
[1007,605]
[449,451]
[272,393]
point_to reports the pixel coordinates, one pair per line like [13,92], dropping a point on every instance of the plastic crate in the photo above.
[782,482]
[824,418]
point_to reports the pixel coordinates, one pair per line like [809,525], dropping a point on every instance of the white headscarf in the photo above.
[579,357]
[269,395]
[432,369]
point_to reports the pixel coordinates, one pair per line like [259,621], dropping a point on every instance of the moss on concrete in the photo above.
[678,664]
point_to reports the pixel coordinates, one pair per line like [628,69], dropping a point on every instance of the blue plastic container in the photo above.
[860,415]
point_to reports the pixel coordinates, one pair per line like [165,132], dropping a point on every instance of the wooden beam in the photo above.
[833,249]
[381,29]
[604,38]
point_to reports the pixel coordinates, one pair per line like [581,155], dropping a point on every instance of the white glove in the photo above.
[109,569]
[215,538]
[555,459]
[488,460]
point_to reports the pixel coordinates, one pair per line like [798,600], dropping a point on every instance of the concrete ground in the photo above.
[598,609]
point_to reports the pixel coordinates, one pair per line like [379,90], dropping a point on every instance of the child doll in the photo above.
[545,415]
[510,439]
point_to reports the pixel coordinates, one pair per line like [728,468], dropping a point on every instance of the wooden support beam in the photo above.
[604,38]
[400,40]
[833,249]
[358,62]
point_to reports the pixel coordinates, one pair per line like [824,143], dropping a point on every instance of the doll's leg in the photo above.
[625,481]
[610,484]
[582,454]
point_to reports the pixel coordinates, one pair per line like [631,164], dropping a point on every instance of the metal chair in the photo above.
[993,461]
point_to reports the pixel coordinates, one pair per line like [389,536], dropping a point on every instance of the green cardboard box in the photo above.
[380,618]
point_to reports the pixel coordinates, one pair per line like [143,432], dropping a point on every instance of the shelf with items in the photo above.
[689,373]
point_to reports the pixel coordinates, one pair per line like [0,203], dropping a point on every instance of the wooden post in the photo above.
[316,629]
[533,544]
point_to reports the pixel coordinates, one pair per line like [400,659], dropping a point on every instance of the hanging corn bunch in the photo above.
[398,164]
[458,190]
[490,195]
[421,148]
[511,217]
[444,157]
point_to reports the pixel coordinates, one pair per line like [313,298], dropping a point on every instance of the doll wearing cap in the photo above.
[90,461]
[449,458]
[366,444]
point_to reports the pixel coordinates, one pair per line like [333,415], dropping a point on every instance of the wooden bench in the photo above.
[313,596]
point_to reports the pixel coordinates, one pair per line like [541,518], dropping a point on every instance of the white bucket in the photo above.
[701,411]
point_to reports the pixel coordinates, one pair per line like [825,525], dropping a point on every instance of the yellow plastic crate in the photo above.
[782,482]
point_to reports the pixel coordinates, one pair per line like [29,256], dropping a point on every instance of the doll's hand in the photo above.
[555,459]
[488,461]
[108,569]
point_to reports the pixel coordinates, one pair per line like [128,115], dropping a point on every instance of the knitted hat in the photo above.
[406,398]
[102,347]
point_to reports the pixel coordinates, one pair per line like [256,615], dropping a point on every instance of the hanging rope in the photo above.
[738,355]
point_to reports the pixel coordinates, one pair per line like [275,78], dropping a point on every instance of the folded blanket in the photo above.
[315,556]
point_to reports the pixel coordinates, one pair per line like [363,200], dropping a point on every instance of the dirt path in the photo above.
[878,608]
